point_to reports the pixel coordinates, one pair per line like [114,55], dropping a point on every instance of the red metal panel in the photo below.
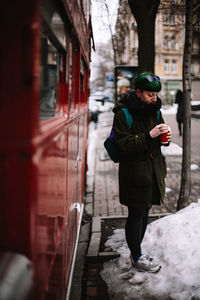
[19,71]
[51,209]
[59,202]
[77,78]
[81,162]
[72,165]
[60,160]
[41,164]
[15,220]
[19,79]
[79,26]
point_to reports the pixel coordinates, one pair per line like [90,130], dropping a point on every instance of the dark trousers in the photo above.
[180,128]
[135,228]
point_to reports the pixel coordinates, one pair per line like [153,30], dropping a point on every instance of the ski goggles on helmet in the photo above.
[151,78]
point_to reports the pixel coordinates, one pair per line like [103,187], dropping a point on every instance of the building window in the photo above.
[166,66]
[172,20]
[173,43]
[133,26]
[174,67]
[181,19]
[165,42]
[165,19]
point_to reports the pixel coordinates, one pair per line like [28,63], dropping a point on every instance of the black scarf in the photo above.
[139,108]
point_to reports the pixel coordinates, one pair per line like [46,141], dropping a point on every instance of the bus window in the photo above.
[82,76]
[48,79]
[70,76]
[82,80]
[53,51]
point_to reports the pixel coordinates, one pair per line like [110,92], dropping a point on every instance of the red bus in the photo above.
[44,74]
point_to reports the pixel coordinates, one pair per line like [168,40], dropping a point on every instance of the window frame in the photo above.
[61,52]
[174,66]
[166,66]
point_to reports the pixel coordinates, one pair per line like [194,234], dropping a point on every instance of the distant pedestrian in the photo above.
[179,114]
[142,167]
[123,87]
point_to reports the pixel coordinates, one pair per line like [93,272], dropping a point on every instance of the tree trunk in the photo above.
[144,12]
[186,159]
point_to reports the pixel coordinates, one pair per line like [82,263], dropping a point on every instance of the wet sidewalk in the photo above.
[102,205]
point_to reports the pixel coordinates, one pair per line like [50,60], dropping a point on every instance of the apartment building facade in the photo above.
[169,46]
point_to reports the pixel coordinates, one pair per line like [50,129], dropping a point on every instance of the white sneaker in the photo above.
[148,257]
[145,264]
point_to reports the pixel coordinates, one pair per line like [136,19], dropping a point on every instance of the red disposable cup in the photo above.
[163,138]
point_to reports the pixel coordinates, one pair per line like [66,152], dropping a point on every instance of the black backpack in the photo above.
[109,143]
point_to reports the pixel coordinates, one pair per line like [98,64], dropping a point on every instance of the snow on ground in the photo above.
[174,242]
[175,149]
[172,149]
[168,190]
[169,110]
[194,167]
[195,103]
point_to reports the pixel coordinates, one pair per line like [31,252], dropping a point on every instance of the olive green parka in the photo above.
[142,167]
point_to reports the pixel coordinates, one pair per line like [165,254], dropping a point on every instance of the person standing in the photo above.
[142,167]
[123,87]
[179,114]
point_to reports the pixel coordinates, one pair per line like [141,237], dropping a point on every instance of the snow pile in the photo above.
[173,241]
[172,149]
[168,190]
[194,167]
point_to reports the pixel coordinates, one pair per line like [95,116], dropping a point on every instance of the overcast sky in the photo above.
[100,19]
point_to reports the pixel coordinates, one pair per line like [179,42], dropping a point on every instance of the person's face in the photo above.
[147,96]
[124,89]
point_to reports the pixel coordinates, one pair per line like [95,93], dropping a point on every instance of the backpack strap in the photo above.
[158,115]
[129,117]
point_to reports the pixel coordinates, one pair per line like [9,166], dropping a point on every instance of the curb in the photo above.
[76,287]
[93,254]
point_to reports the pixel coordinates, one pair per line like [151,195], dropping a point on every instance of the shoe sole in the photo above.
[149,271]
